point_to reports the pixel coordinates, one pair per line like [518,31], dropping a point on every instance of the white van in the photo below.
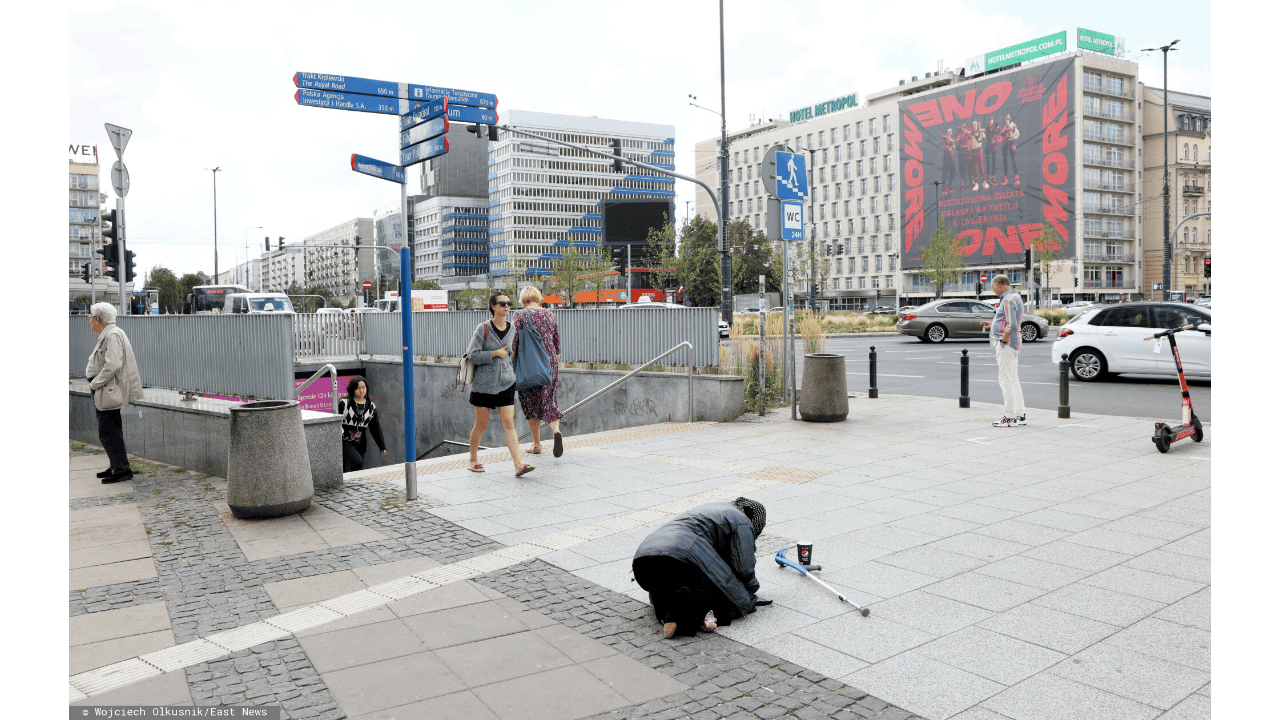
[253,303]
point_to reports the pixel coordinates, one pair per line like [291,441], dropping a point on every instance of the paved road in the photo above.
[906,365]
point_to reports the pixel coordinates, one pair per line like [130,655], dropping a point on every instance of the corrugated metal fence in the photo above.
[604,335]
[239,355]
[328,334]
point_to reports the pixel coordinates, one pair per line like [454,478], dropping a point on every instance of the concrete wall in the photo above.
[441,413]
[195,434]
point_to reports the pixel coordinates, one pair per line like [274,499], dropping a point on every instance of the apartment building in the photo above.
[1190,191]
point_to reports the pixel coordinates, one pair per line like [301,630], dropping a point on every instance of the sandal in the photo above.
[525,470]
[558,449]
[535,450]
[476,468]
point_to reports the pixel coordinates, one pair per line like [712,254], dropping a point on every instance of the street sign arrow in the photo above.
[424,151]
[456,97]
[377,168]
[343,83]
[470,114]
[119,138]
[425,131]
[424,112]
[350,101]
[120,178]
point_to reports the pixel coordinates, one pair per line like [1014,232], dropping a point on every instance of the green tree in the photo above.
[1049,255]
[752,255]
[692,258]
[578,269]
[171,294]
[426,285]
[186,282]
[942,259]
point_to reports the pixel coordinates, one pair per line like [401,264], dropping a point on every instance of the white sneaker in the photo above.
[1022,419]
[1004,422]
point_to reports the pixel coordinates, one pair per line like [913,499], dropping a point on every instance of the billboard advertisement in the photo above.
[993,160]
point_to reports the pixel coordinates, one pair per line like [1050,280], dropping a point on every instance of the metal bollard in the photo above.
[1064,393]
[873,391]
[964,378]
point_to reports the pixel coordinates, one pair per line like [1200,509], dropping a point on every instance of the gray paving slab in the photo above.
[980,546]
[1152,586]
[1197,545]
[1049,628]
[1035,573]
[391,683]
[1163,562]
[455,706]
[1046,696]
[995,656]
[923,685]
[501,658]
[1167,640]
[571,691]
[891,537]
[934,614]
[1170,512]
[1137,676]
[464,624]
[360,645]
[984,591]
[977,513]
[1099,604]
[1055,517]
[812,655]
[933,524]
[1195,707]
[1160,529]
[870,639]
[111,624]
[631,679]
[880,579]
[931,561]
[165,689]
[1074,555]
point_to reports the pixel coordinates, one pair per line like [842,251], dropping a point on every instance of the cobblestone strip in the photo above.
[115,597]
[726,679]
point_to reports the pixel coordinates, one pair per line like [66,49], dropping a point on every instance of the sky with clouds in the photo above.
[203,89]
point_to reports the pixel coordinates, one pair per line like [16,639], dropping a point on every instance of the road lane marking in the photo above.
[880,374]
[979,440]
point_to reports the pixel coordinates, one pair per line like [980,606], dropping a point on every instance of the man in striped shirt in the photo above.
[1006,339]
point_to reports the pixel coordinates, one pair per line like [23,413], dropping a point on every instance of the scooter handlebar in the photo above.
[1171,331]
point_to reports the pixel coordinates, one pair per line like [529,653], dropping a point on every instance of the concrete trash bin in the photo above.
[824,396]
[268,467]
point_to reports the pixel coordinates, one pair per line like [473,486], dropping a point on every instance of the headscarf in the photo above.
[754,512]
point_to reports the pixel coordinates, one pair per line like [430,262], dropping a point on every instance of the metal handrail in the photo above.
[451,442]
[610,386]
[333,376]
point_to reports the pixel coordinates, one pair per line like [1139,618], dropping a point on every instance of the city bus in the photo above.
[145,302]
[206,299]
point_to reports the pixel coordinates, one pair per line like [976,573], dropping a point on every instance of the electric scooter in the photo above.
[1190,427]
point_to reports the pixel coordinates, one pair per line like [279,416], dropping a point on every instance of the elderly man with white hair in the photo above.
[115,382]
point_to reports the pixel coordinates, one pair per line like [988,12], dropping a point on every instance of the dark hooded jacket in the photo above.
[717,539]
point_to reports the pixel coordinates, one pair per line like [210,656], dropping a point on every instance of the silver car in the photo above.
[952,318]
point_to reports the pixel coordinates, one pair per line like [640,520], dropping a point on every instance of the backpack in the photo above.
[466,368]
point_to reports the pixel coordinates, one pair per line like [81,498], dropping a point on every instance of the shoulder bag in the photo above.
[532,365]
[466,368]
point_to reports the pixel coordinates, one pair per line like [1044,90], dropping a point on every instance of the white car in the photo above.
[358,310]
[1108,340]
[1078,307]
[329,311]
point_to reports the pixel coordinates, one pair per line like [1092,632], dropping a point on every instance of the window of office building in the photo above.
[822,138]
[846,133]
[837,227]
[837,191]
[1115,85]
[862,185]
[822,175]
[891,186]
[862,148]
[825,232]
[879,263]
[862,245]
[859,168]
[864,224]
[859,129]
[873,204]
[808,141]
[873,167]
[1092,81]
[835,153]
[875,145]
[860,207]
[824,156]
[757,154]
[871,126]
[826,192]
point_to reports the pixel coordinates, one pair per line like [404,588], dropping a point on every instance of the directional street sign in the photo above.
[377,168]
[425,131]
[793,178]
[342,83]
[120,178]
[423,113]
[456,97]
[424,151]
[792,220]
[469,114]
[391,89]
[119,138]
[350,101]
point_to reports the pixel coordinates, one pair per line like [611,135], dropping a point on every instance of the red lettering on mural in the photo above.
[1054,213]
[1009,241]
[1055,168]
[1053,138]
[915,218]
[1030,235]
[993,97]
[974,237]
[951,107]
[926,112]
[911,137]
[1056,104]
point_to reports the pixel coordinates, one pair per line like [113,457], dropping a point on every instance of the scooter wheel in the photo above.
[1161,439]
[1198,435]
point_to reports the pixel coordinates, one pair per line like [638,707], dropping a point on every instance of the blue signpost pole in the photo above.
[406,324]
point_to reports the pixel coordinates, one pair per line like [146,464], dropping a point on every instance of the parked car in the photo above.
[1203,302]
[330,311]
[358,310]
[1078,307]
[950,318]
[254,303]
[1109,340]
[884,310]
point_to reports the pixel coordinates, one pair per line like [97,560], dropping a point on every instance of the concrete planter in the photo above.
[824,396]
[268,465]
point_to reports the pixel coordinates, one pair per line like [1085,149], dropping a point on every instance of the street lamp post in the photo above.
[1168,249]
[813,235]
[215,222]
[726,267]
[246,257]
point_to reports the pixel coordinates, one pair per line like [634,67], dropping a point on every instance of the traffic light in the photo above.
[267,241]
[1036,273]
[1077,284]
[1207,267]
[280,245]
[481,133]
[129,266]
[1026,263]
[616,144]
[357,241]
[111,257]
[877,297]
[116,230]
[977,288]
[85,274]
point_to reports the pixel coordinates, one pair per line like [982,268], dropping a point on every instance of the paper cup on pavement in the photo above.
[804,551]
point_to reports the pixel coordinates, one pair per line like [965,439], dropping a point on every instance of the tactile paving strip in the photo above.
[184,655]
[795,476]
[113,676]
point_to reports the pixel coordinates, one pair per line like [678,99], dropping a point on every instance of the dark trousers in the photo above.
[679,593]
[111,434]
[1010,161]
[352,457]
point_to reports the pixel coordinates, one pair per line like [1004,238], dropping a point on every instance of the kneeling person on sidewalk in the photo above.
[1006,339]
[702,561]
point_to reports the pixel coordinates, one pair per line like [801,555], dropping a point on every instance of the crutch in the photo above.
[783,560]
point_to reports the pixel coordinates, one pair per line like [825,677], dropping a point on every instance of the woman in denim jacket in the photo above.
[494,384]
